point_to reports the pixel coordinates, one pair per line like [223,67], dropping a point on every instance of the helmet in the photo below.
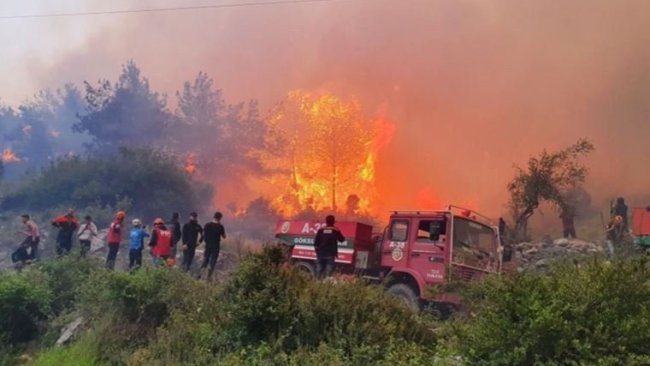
[136,222]
[120,215]
[159,221]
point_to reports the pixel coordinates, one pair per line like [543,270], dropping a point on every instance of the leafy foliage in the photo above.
[594,314]
[127,113]
[150,180]
[24,305]
[550,177]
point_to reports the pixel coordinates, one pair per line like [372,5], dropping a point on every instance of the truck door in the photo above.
[394,250]
[474,250]
[429,248]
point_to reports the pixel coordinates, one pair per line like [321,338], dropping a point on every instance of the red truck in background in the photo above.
[416,250]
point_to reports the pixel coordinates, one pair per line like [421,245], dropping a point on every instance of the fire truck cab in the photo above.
[423,249]
[417,250]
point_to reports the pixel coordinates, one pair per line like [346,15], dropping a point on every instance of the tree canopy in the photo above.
[127,113]
[549,177]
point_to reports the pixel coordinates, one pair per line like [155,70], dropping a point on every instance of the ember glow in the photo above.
[190,164]
[8,156]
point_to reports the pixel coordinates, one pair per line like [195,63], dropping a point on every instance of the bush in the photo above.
[152,181]
[65,277]
[129,308]
[282,307]
[596,314]
[24,305]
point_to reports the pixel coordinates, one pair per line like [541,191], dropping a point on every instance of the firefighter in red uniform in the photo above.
[161,242]
[114,238]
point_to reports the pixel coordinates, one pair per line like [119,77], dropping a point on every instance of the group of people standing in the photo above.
[163,239]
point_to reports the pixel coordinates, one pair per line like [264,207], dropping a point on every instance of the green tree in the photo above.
[127,113]
[549,177]
[151,180]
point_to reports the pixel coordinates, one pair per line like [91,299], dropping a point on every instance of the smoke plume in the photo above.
[472,86]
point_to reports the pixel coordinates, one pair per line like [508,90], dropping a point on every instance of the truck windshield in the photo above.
[474,244]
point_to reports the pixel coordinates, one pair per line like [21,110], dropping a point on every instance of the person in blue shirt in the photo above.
[136,244]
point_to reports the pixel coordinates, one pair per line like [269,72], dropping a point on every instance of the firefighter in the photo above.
[136,244]
[213,233]
[568,226]
[87,231]
[614,233]
[175,224]
[620,209]
[67,225]
[326,244]
[192,235]
[32,237]
[114,238]
[161,243]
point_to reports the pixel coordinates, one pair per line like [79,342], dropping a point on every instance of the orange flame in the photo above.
[8,156]
[331,155]
[190,165]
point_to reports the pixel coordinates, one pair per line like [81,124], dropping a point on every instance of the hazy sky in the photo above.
[473,85]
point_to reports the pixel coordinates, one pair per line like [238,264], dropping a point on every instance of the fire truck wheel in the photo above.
[405,293]
[306,267]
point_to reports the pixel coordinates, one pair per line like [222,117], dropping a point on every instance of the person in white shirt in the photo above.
[87,231]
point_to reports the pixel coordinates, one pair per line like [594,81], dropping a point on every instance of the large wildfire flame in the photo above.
[329,155]
[8,156]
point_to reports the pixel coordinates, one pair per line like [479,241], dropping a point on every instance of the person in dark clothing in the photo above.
[213,232]
[67,225]
[326,244]
[192,235]
[567,224]
[175,224]
[620,209]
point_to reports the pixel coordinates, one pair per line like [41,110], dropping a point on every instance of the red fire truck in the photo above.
[416,250]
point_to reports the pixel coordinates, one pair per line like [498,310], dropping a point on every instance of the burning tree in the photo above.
[551,177]
[328,152]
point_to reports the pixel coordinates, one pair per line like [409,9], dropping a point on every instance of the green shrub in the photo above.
[24,305]
[595,314]
[149,180]
[80,353]
[65,278]
[266,302]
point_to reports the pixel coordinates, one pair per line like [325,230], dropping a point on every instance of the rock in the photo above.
[561,242]
[69,331]
[541,263]
[530,252]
